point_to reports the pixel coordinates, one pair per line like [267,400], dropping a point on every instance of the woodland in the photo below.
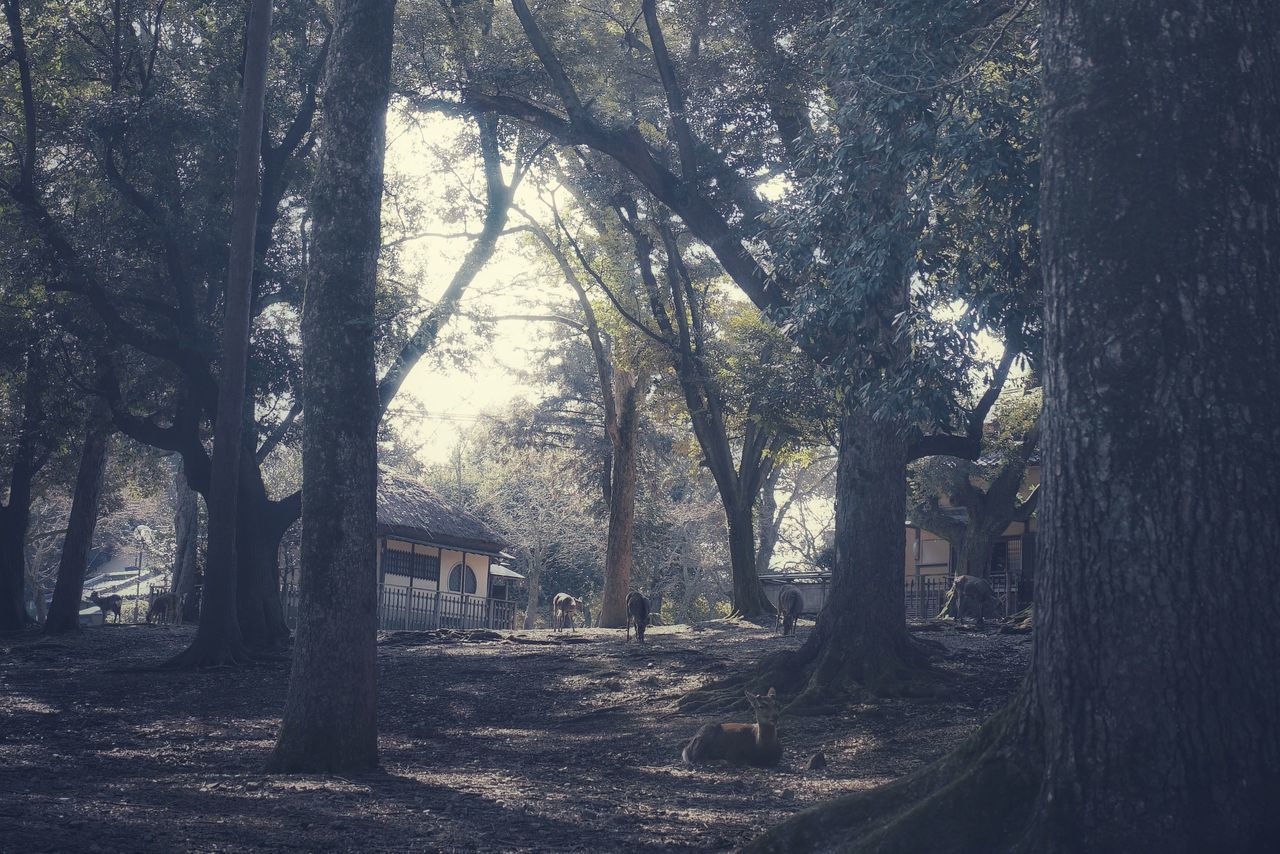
[748,285]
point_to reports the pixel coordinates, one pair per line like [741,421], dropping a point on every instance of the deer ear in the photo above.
[772,693]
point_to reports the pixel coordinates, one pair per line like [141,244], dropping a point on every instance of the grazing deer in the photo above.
[971,592]
[563,607]
[107,603]
[752,744]
[790,603]
[637,612]
[164,608]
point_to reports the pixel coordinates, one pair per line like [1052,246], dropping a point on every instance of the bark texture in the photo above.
[1151,717]
[862,631]
[330,719]
[622,504]
[219,640]
[1162,228]
[186,525]
[15,514]
[68,590]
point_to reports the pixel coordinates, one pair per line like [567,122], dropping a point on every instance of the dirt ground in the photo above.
[491,746]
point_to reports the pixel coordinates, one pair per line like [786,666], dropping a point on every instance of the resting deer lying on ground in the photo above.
[165,608]
[752,744]
[563,607]
[107,603]
[637,612]
[790,602]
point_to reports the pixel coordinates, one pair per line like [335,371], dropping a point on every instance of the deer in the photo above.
[637,612]
[563,607]
[164,607]
[107,603]
[751,744]
[790,603]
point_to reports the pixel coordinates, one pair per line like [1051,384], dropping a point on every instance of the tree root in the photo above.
[200,656]
[822,684]
[977,799]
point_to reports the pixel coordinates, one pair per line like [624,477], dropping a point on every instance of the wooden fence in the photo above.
[405,609]
[926,593]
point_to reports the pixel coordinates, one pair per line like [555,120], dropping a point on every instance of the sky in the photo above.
[440,398]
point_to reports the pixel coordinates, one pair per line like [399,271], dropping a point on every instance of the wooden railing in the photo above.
[404,609]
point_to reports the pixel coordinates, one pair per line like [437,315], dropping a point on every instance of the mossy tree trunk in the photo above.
[68,590]
[330,717]
[1150,720]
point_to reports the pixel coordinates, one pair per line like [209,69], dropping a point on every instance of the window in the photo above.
[455,580]
[427,567]
[423,566]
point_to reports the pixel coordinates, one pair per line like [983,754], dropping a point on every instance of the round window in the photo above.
[455,580]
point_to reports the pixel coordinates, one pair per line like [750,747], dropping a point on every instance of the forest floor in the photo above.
[495,746]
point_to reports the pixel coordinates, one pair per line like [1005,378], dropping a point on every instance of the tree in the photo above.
[126,199]
[620,377]
[868,130]
[186,527]
[64,612]
[330,718]
[30,451]
[218,640]
[1150,720]
[989,493]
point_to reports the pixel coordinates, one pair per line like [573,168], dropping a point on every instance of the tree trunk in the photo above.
[330,718]
[770,522]
[219,640]
[748,596]
[14,518]
[186,525]
[1151,717]
[15,514]
[534,590]
[259,609]
[862,630]
[974,555]
[68,591]
[622,507]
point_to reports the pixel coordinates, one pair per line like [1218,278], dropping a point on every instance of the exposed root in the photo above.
[977,799]
[784,671]
[202,656]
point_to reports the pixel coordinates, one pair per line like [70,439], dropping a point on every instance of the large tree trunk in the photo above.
[186,525]
[1151,717]
[15,516]
[973,557]
[622,506]
[68,590]
[219,640]
[862,630]
[330,718]
[262,524]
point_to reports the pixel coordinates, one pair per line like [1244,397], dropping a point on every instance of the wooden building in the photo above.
[438,565]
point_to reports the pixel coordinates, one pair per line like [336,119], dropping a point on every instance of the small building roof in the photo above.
[504,571]
[409,508]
